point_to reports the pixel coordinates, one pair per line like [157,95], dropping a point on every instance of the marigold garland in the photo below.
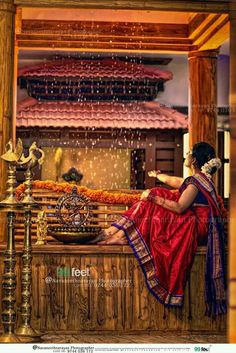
[97,195]
[94,195]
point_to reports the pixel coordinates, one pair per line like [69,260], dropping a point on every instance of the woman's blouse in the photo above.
[200,198]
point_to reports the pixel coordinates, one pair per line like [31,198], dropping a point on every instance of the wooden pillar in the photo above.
[203,96]
[232,219]
[7,10]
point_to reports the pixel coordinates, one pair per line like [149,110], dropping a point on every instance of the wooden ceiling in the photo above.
[119,30]
[211,6]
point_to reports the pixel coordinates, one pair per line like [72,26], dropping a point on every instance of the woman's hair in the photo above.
[203,152]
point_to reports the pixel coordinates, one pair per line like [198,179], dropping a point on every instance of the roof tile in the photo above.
[106,68]
[134,115]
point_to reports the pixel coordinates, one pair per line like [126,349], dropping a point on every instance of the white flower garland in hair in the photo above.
[207,167]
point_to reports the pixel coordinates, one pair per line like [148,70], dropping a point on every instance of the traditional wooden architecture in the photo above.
[103,103]
[152,147]
[71,79]
[200,34]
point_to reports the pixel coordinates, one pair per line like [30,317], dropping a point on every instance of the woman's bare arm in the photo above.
[173,181]
[184,202]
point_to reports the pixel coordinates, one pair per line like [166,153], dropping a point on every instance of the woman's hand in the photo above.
[154,173]
[145,195]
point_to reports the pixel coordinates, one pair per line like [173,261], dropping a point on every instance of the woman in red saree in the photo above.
[164,229]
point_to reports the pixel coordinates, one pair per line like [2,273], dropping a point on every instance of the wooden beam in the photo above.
[205,33]
[105,29]
[113,42]
[195,22]
[105,47]
[197,28]
[89,38]
[216,40]
[107,35]
[170,50]
[215,35]
[210,6]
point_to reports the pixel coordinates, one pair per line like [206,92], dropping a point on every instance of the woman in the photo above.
[165,227]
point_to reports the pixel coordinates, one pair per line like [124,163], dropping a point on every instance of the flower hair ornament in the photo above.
[212,163]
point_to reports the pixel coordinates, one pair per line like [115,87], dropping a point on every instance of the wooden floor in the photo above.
[134,338]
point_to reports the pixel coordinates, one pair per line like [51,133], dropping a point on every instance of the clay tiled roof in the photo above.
[106,68]
[135,115]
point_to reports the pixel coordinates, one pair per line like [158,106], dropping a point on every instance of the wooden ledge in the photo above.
[62,249]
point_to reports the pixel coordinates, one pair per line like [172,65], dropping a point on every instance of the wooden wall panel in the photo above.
[106,306]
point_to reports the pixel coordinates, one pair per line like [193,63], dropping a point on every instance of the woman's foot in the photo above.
[117,238]
[103,235]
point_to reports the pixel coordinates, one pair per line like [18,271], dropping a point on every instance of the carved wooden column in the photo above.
[232,219]
[7,10]
[203,96]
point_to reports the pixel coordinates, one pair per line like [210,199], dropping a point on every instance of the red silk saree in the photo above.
[165,244]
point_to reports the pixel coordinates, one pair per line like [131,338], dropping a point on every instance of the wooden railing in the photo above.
[102,214]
